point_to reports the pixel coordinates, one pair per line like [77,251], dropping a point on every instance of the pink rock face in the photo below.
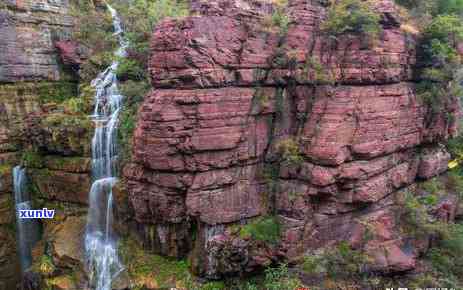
[228,92]
[69,52]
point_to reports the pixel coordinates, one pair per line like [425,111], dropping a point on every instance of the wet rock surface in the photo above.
[35,131]
[228,92]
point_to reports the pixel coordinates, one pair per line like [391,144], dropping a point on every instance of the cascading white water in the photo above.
[100,244]
[210,232]
[27,229]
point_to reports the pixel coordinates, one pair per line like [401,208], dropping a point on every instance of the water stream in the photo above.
[27,229]
[102,258]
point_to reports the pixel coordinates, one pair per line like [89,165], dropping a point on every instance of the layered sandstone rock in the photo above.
[229,91]
[28,32]
[35,131]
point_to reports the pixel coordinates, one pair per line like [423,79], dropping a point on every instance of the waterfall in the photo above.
[210,232]
[27,229]
[100,243]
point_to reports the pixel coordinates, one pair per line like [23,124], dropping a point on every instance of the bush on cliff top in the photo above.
[441,74]
[279,20]
[351,17]
[433,7]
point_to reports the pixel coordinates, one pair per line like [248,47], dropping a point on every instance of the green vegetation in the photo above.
[261,98]
[44,265]
[153,271]
[439,61]
[440,78]
[279,20]
[140,18]
[433,7]
[314,69]
[93,29]
[339,264]
[416,219]
[266,229]
[290,152]
[279,278]
[455,182]
[352,17]
[446,258]
[433,186]
[445,261]
[147,269]
[5,169]
[56,92]
[313,264]
[65,121]
[31,159]
[344,262]
[126,130]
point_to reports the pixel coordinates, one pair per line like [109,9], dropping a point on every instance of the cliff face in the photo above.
[245,121]
[36,130]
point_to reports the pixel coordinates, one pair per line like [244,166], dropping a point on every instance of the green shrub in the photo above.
[134,91]
[455,182]
[5,169]
[312,264]
[126,128]
[434,7]
[415,215]
[440,76]
[352,17]
[433,186]
[32,159]
[266,229]
[320,75]
[56,92]
[289,151]
[76,105]
[416,218]
[279,20]
[446,258]
[130,69]
[261,98]
[44,265]
[344,262]
[279,278]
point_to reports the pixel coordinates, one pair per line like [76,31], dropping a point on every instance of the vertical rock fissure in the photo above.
[100,242]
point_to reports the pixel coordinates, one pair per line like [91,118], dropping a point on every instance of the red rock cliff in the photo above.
[228,92]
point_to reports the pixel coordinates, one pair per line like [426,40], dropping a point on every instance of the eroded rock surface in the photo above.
[229,93]
[35,130]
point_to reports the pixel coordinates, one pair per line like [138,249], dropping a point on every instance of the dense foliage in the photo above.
[433,7]
[265,229]
[352,17]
